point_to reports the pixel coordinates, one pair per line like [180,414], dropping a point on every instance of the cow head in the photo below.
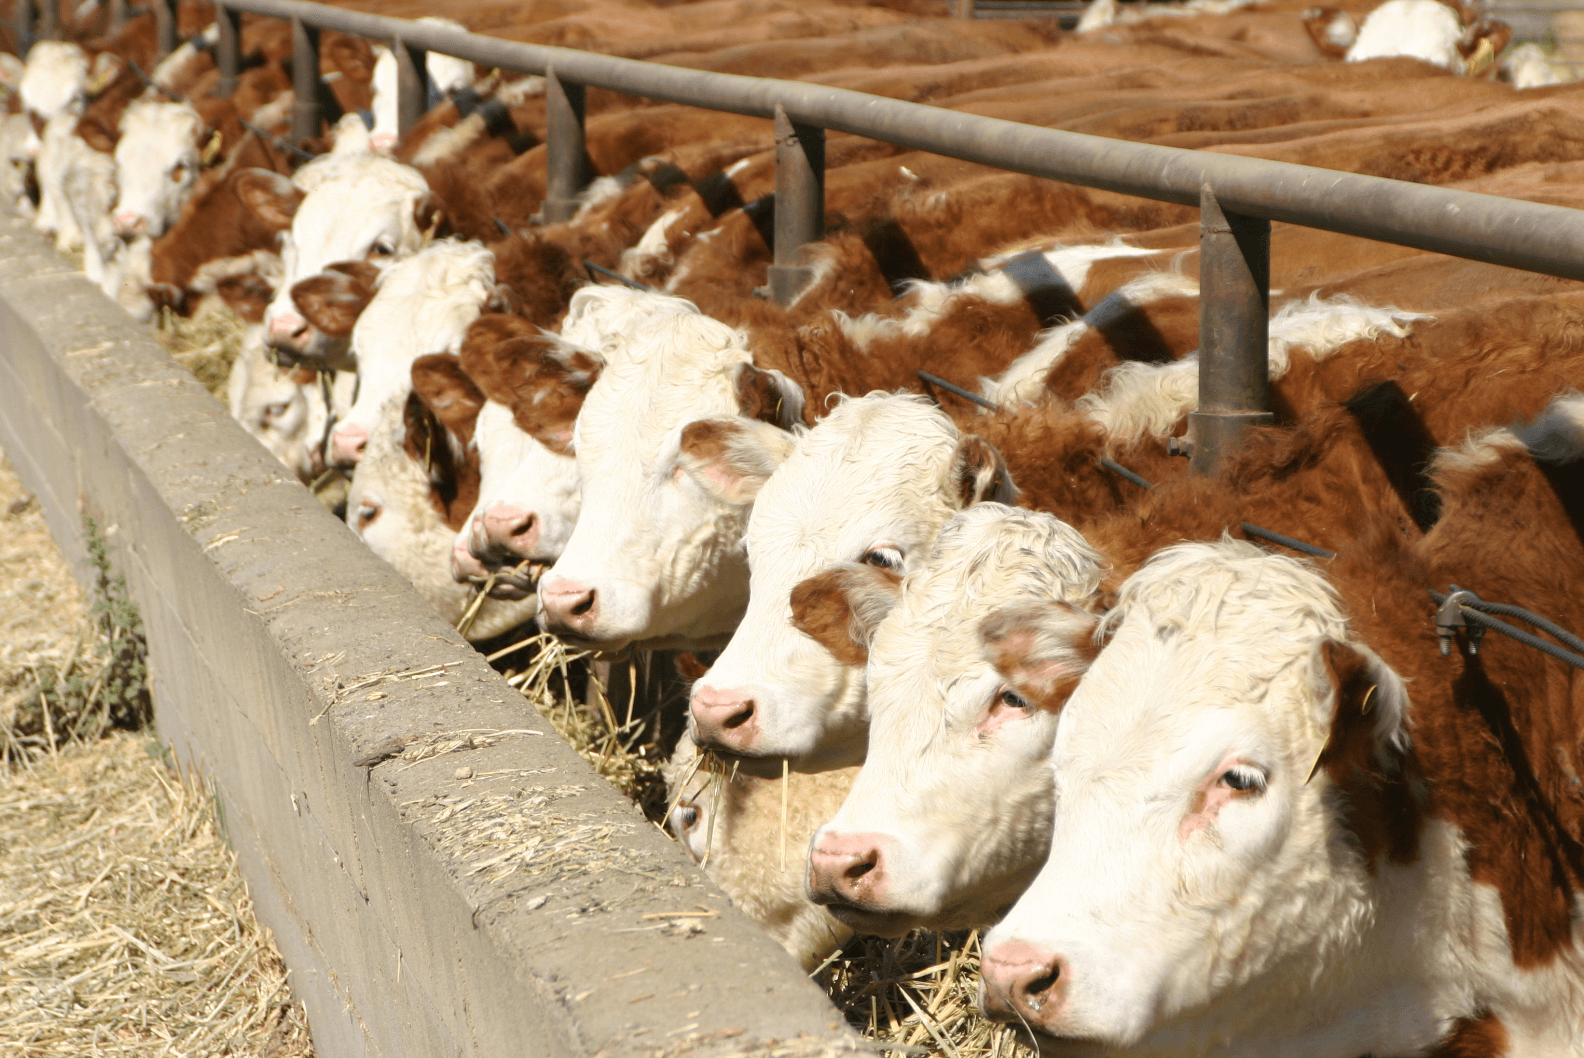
[276,405]
[54,80]
[157,161]
[869,485]
[342,207]
[669,462]
[424,305]
[1201,849]
[949,817]
[528,492]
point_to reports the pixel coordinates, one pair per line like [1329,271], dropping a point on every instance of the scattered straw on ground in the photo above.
[125,928]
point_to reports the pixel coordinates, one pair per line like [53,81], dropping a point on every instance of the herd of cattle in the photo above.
[1212,797]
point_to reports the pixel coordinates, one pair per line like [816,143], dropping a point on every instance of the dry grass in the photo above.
[918,995]
[125,928]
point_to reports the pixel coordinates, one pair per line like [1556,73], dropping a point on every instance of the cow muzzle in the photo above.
[724,719]
[1022,982]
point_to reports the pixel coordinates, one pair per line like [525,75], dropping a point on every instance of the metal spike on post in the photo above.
[22,22]
[164,27]
[567,161]
[228,49]
[412,85]
[799,204]
[1234,327]
[306,112]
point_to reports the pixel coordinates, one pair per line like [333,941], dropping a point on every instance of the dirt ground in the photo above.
[125,928]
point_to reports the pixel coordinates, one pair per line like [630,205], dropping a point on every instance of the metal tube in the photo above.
[1234,318]
[228,49]
[1501,231]
[47,12]
[117,20]
[22,22]
[566,164]
[412,85]
[164,27]
[306,113]
[799,204]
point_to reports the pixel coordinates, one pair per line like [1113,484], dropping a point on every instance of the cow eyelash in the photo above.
[884,557]
[1244,778]
[1012,699]
[687,816]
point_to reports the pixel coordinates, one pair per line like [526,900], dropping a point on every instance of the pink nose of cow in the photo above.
[511,529]
[1021,981]
[846,869]
[724,718]
[288,330]
[568,606]
[128,223]
[382,143]
[348,443]
[464,566]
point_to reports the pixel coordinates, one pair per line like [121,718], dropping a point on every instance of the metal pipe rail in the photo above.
[1241,195]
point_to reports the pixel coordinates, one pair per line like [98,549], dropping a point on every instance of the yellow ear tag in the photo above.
[1365,706]
[1316,765]
[1483,57]
[211,149]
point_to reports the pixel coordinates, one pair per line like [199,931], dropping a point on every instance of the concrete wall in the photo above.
[528,909]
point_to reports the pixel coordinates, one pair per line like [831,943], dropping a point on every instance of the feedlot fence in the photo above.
[1238,196]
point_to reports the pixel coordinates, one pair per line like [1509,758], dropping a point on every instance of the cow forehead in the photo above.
[429,298]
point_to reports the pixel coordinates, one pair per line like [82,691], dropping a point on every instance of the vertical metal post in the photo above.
[965,8]
[1234,317]
[47,11]
[117,21]
[306,112]
[412,85]
[799,203]
[22,15]
[228,49]
[164,27]
[567,159]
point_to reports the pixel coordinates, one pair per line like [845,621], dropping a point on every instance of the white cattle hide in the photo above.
[157,160]
[1416,29]
[280,406]
[55,79]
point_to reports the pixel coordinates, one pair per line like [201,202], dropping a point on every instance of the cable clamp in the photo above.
[1449,618]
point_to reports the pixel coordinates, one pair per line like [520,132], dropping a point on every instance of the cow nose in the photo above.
[382,143]
[128,223]
[464,566]
[348,443]
[568,606]
[510,529]
[846,869]
[724,718]
[289,330]
[1020,980]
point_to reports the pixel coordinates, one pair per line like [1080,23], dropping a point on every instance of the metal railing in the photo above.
[1238,196]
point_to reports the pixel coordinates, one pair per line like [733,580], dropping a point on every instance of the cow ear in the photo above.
[1369,706]
[430,214]
[841,608]
[732,458]
[1041,647]
[365,275]
[978,474]
[332,301]
[247,295]
[272,197]
[449,394]
[769,396]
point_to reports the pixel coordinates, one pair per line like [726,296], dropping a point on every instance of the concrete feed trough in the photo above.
[443,874]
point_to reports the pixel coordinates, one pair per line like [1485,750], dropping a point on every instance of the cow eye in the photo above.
[366,513]
[885,557]
[276,410]
[687,817]
[383,248]
[1243,778]
[178,174]
[1012,699]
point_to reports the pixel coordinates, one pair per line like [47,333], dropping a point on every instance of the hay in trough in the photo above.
[914,996]
[207,343]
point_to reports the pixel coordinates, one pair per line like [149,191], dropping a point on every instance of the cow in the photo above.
[157,161]
[423,304]
[750,834]
[684,426]
[958,794]
[416,481]
[341,207]
[1431,31]
[866,489]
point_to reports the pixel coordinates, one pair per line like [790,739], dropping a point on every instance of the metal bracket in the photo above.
[1449,618]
